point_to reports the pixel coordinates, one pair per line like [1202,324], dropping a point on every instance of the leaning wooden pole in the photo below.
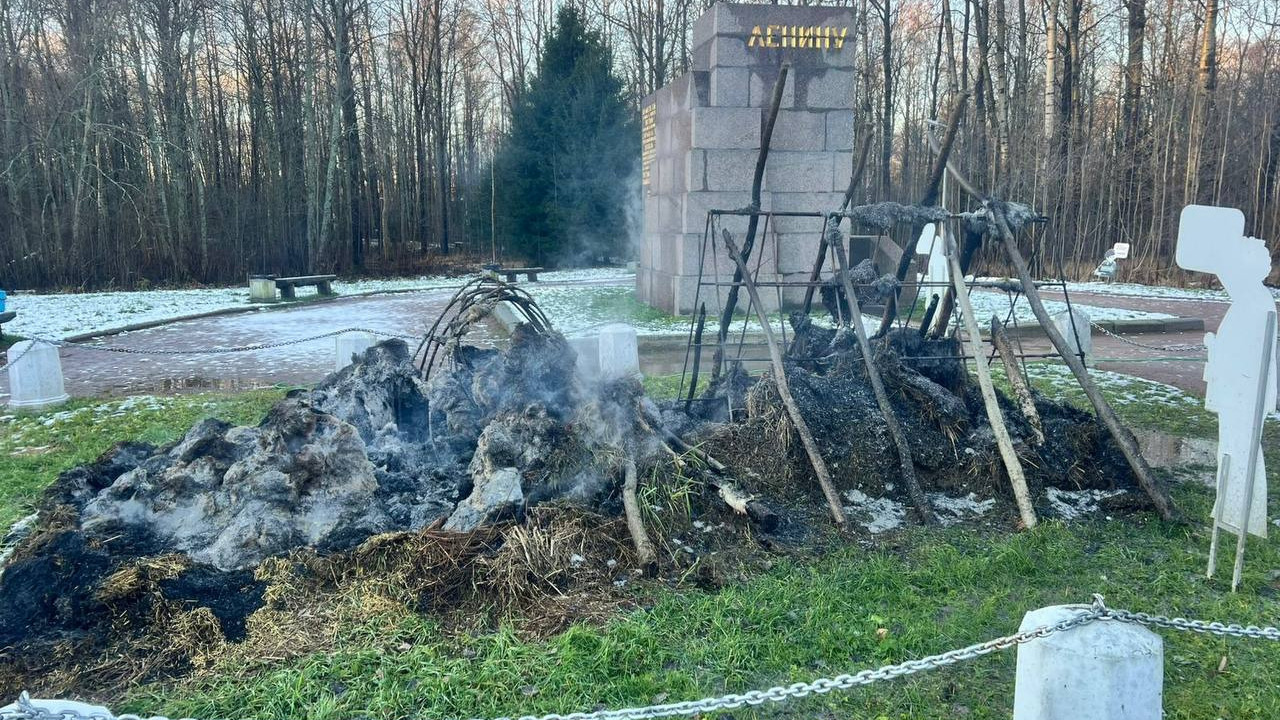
[784,389]
[821,258]
[930,197]
[905,463]
[1012,465]
[753,222]
[1022,391]
[1158,494]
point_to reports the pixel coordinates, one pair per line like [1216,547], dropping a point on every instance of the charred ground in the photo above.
[492,487]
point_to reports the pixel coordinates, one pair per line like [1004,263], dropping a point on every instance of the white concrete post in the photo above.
[348,344]
[262,289]
[588,350]
[1083,329]
[35,376]
[1105,670]
[619,353]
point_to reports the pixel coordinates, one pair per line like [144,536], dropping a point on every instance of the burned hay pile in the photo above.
[952,445]
[496,480]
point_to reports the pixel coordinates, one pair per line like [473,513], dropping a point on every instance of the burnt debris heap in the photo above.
[449,440]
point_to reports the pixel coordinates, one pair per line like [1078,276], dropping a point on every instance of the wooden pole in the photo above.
[930,197]
[645,553]
[1026,401]
[1012,464]
[784,389]
[753,222]
[905,463]
[1128,445]
[697,356]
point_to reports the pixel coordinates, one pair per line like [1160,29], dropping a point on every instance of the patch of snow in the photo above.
[952,510]
[877,515]
[60,315]
[990,302]
[1071,504]
[1155,291]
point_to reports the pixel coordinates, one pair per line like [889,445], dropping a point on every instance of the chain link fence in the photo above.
[27,709]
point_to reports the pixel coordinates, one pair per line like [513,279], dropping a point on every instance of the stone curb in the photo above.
[1126,327]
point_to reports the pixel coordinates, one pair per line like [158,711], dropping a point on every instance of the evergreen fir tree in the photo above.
[567,173]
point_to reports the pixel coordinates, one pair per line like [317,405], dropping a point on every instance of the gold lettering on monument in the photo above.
[648,140]
[800,37]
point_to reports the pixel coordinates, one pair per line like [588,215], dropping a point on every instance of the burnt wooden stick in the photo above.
[928,315]
[645,553]
[719,477]
[753,222]
[815,274]
[818,262]
[1012,465]
[1021,390]
[930,198]
[972,243]
[1154,489]
[784,389]
[905,463]
[697,355]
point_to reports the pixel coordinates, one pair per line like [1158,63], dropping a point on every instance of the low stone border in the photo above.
[1137,326]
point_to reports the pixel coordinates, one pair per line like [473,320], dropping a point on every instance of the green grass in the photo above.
[918,593]
[35,448]
[853,609]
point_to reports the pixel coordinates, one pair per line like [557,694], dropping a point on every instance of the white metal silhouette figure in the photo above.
[1241,370]
[933,243]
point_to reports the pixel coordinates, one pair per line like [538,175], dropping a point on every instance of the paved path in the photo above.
[92,372]
[89,371]
[1144,362]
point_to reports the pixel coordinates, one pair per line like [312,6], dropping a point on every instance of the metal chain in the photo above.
[216,351]
[1097,611]
[1135,343]
[27,349]
[1197,626]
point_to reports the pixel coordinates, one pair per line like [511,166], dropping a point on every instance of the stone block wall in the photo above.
[706,128]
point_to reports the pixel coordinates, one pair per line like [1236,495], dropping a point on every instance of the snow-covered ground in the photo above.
[575,301]
[1154,291]
[59,315]
[990,302]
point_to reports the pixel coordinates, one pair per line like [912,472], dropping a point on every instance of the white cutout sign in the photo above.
[1240,387]
[1121,251]
[933,244]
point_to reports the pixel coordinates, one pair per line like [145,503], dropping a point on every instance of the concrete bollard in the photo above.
[262,289]
[587,348]
[1101,671]
[348,344]
[619,352]
[1083,330]
[35,376]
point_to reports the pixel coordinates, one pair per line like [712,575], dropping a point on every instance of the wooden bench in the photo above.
[513,273]
[289,285]
[4,318]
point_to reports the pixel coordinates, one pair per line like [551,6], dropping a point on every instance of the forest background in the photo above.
[162,142]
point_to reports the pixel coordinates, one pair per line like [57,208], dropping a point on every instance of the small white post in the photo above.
[348,344]
[35,376]
[587,348]
[1104,670]
[619,353]
[1079,338]
[262,289]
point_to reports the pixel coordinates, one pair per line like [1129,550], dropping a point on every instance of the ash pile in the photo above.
[451,474]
